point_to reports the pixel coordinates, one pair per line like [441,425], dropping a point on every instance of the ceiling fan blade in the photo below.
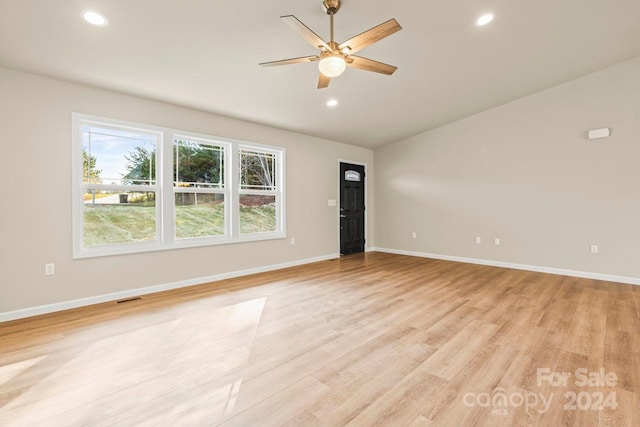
[323,81]
[312,38]
[371,65]
[291,61]
[370,36]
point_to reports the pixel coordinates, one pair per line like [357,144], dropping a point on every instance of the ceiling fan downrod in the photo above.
[331,6]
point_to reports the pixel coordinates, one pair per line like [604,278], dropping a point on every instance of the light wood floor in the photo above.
[364,340]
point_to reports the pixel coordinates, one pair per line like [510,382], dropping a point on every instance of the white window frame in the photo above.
[225,190]
[278,192]
[165,190]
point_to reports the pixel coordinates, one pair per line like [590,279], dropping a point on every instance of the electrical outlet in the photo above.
[478,240]
[49,269]
[293,241]
[414,235]
[594,249]
[496,241]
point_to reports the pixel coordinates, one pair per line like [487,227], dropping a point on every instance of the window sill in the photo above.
[197,242]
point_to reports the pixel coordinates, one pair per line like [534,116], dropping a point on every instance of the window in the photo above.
[119,185]
[199,188]
[141,188]
[352,176]
[258,191]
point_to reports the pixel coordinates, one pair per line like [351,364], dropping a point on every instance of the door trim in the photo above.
[366,201]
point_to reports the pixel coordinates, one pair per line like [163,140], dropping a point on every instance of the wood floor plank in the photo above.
[404,402]
[368,339]
[298,397]
[362,376]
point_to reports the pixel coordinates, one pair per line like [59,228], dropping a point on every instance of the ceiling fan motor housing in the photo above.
[331,7]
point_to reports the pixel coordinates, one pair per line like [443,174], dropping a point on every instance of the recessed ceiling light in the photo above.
[332,103]
[484,19]
[95,18]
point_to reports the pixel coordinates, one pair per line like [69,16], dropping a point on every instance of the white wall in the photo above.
[35,196]
[524,172]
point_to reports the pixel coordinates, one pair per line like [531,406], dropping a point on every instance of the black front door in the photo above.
[351,208]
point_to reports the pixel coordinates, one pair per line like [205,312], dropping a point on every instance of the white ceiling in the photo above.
[204,54]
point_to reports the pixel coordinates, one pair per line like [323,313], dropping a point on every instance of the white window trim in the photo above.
[165,191]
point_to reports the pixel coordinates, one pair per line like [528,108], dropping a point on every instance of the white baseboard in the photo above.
[550,270]
[82,302]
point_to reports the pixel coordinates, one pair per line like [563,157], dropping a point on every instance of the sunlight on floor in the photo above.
[142,365]
[8,372]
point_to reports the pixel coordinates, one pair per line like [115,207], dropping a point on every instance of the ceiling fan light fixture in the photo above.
[95,18]
[332,65]
[484,20]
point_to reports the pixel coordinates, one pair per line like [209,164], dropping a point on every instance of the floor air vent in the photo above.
[122,301]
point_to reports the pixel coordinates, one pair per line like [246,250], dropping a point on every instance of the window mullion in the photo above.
[233,180]
[166,190]
[121,188]
[203,190]
[279,166]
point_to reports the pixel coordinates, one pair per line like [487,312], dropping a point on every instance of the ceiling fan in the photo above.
[334,57]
